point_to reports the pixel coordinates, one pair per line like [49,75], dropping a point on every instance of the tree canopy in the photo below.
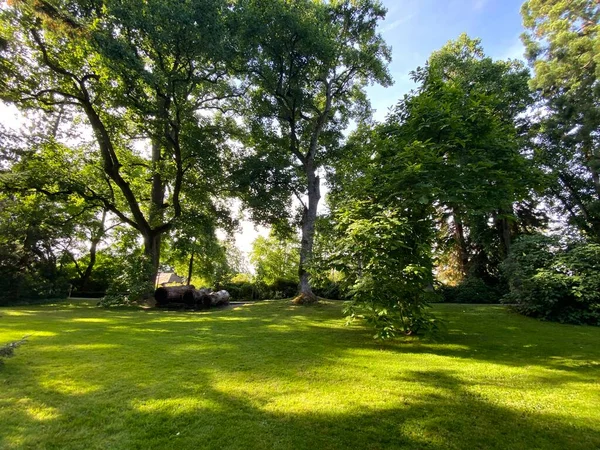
[146,125]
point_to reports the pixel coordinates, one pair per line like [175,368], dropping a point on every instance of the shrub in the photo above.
[385,257]
[553,280]
[23,284]
[131,286]
[332,290]
[283,288]
[242,290]
[471,290]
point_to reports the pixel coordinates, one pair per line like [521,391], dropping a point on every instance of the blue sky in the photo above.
[415,28]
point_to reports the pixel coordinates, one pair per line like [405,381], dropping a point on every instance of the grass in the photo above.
[275,376]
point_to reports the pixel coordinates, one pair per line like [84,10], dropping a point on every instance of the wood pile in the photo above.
[189,297]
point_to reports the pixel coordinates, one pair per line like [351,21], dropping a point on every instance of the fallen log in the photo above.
[174,294]
[220,298]
[189,297]
[203,298]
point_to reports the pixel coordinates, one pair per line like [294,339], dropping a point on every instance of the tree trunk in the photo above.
[95,240]
[505,234]
[461,245]
[153,239]
[309,217]
[191,267]
[152,252]
[592,163]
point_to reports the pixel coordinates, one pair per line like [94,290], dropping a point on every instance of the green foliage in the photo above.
[275,259]
[386,259]
[129,75]
[258,290]
[34,246]
[555,281]
[562,40]
[447,166]
[471,290]
[131,286]
[308,64]
[462,131]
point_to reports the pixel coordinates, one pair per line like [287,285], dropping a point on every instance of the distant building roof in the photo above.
[164,278]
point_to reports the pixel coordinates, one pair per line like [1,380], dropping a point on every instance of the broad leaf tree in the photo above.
[467,115]
[307,63]
[138,75]
[563,47]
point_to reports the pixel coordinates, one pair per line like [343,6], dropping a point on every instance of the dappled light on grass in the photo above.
[273,376]
[69,386]
[175,406]
[91,320]
[41,413]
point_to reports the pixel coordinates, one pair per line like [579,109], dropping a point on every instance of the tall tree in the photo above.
[137,73]
[308,63]
[563,46]
[467,114]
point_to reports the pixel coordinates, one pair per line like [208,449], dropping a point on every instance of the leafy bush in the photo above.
[108,267]
[332,290]
[387,266]
[553,280]
[242,290]
[471,290]
[283,288]
[245,290]
[131,286]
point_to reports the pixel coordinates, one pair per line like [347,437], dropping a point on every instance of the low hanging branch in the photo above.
[8,350]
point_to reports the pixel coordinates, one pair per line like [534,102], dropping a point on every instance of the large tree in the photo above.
[467,113]
[308,63]
[138,74]
[563,46]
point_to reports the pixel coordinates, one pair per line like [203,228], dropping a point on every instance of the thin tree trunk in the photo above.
[592,164]
[95,240]
[191,267]
[506,235]
[461,245]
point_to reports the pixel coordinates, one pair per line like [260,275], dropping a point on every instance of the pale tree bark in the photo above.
[309,218]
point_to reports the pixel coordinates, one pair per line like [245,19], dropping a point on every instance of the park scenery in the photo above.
[299,224]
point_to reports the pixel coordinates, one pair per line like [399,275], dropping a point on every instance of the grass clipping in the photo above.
[8,350]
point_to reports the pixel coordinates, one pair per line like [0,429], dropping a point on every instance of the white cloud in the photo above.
[387,27]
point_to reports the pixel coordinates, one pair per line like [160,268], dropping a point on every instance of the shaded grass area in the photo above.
[275,376]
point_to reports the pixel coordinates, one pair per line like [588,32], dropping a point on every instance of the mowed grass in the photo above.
[275,376]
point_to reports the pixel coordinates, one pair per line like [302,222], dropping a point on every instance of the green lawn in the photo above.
[275,376]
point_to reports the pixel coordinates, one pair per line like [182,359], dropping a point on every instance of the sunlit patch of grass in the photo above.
[271,375]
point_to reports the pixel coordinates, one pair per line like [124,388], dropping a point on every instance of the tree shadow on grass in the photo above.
[156,380]
[490,335]
[495,335]
[199,415]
